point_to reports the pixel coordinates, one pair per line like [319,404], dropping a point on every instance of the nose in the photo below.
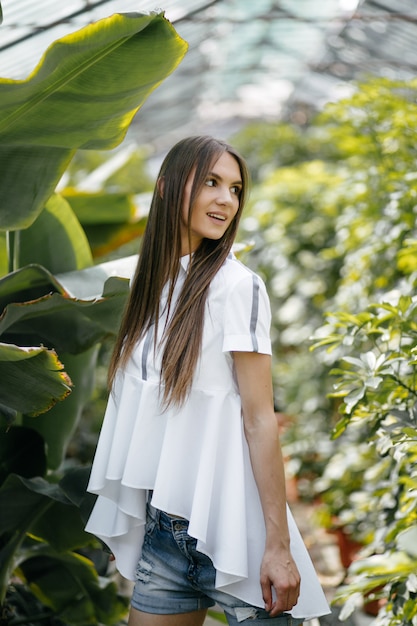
[224,195]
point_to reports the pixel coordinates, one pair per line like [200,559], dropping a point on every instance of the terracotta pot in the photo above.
[372,607]
[348,547]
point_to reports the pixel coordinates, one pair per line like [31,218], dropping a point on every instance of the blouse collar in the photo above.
[185,261]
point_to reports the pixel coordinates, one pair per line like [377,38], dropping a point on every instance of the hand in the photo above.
[279,571]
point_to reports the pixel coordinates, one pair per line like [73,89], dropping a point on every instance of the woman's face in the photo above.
[215,206]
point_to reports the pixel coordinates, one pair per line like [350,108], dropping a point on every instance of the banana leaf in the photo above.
[32,380]
[84,93]
[65,324]
[28,283]
[55,240]
[101,207]
[58,425]
[109,220]
[27,502]
[45,520]
[69,585]
[81,308]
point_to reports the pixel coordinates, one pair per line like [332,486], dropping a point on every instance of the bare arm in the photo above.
[278,568]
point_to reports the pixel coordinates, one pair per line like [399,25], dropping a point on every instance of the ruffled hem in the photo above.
[211,484]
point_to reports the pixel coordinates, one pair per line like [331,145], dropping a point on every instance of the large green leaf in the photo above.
[85,306]
[28,176]
[101,207]
[33,281]
[74,485]
[32,379]
[91,282]
[55,240]
[69,585]
[65,324]
[110,220]
[28,283]
[24,502]
[57,426]
[83,94]
[35,511]
[4,261]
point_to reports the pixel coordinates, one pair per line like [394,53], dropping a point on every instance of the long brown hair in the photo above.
[159,264]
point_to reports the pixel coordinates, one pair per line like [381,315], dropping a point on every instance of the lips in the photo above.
[217,216]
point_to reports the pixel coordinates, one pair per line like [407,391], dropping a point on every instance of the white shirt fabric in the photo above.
[195,458]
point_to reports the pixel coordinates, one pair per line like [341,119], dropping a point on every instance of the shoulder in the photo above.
[236,278]
[238,286]
[247,310]
[233,271]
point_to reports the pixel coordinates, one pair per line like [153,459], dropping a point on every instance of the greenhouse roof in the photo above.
[247,60]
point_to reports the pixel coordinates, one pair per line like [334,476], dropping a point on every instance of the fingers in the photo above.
[286,597]
[267,594]
[281,606]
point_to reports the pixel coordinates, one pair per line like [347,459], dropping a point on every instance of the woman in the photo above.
[188,467]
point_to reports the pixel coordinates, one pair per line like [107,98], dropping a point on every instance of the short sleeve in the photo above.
[247,317]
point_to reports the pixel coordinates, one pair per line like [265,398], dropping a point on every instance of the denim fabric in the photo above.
[173,577]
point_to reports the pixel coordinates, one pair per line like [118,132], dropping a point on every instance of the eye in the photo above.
[236,189]
[211,182]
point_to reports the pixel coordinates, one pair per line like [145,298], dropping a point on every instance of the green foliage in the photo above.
[40,374]
[378,392]
[109,220]
[348,489]
[109,196]
[41,523]
[77,97]
[56,228]
[370,335]
[270,146]
[374,129]
[52,303]
[123,171]
[334,231]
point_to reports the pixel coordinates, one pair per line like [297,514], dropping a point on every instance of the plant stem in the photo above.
[13,249]
[404,385]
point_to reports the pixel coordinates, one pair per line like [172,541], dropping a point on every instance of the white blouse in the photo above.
[195,458]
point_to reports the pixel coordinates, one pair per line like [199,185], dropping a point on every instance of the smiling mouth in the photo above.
[220,218]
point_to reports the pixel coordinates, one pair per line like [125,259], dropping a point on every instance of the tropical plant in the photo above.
[371,336]
[378,389]
[336,233]
[56,309]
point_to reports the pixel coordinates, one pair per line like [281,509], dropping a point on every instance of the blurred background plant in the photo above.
[334,236]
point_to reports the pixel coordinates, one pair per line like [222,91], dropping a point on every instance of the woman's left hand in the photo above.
[279,573]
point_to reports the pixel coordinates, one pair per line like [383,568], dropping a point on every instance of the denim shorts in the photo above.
[173,577]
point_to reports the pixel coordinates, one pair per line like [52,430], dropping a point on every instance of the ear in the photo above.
[160,183]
